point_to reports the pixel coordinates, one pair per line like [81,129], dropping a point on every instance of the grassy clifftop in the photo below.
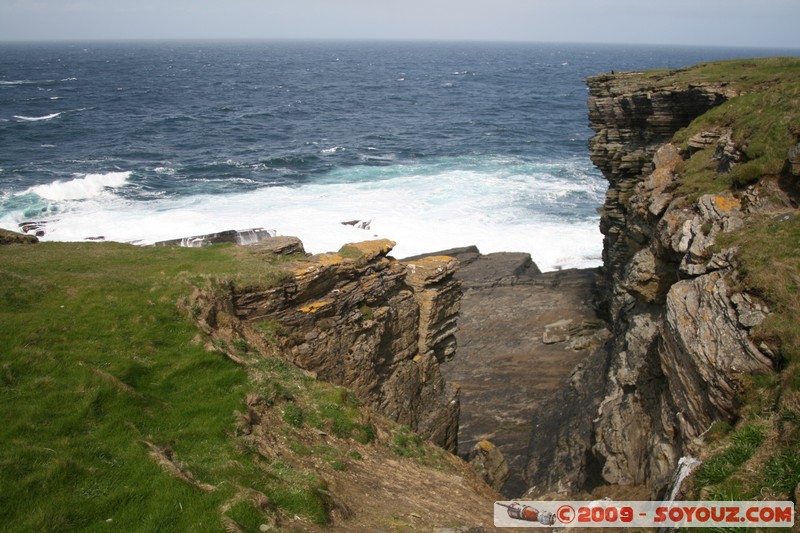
[119,415]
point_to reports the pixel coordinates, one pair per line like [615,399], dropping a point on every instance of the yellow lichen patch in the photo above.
[660,178]
[725,202]
[315,306]
[431,269]
[436,259]
[369,249]
[301,269]
[329,259]
[486,446]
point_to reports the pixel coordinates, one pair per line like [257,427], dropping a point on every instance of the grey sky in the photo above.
[771,23]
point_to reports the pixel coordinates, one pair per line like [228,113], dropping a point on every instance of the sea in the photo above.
[433,145]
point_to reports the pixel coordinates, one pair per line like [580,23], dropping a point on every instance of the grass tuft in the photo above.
[743,445]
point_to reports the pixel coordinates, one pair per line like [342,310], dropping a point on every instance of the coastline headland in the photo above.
[269,388]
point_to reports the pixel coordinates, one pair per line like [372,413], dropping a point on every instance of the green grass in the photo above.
[349,251]
[782,471]
[97,360]
[769,256]
[293,415]
[367,313]
[408,444]
[744,74]
[744,443]
[764,119]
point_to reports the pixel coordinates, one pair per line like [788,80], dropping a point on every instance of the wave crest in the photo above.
[89,186]
[34,119]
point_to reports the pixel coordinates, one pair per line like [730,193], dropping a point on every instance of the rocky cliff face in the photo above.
[681,342]
[360,319]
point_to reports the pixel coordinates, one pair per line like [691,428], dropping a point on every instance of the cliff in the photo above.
[686,184]
[359,319]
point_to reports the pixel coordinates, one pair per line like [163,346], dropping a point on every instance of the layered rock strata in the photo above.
[509,355]
[364,320]
[681,342]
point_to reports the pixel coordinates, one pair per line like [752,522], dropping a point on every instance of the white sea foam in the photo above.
[423,209]
[333,150]
[88,186]
[35,119]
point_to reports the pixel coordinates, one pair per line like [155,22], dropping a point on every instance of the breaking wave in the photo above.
[89,186]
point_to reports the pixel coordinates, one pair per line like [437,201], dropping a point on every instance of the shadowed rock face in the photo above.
[506,363]
[680,334]
[361,319]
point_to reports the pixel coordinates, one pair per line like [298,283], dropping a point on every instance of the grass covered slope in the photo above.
[97,366]
[96,362]
[764,121]
[117,415]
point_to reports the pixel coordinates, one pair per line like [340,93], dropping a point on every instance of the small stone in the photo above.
[557,331]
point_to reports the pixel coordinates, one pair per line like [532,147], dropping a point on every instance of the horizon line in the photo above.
[354,40]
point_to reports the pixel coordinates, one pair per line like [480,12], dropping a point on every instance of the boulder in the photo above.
[12,237]
[487,460]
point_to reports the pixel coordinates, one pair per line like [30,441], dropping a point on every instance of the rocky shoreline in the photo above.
[564,381]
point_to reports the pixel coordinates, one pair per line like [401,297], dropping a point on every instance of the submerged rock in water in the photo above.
[34,227]
[357,223]
[245,236]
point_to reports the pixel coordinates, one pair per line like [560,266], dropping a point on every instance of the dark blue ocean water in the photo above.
[437,144]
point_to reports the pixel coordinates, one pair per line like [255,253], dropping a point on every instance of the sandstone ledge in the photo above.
[361,319]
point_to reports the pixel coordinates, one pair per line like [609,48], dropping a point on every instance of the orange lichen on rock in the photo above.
[726,202]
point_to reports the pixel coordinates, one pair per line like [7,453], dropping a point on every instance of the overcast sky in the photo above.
[769,23]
